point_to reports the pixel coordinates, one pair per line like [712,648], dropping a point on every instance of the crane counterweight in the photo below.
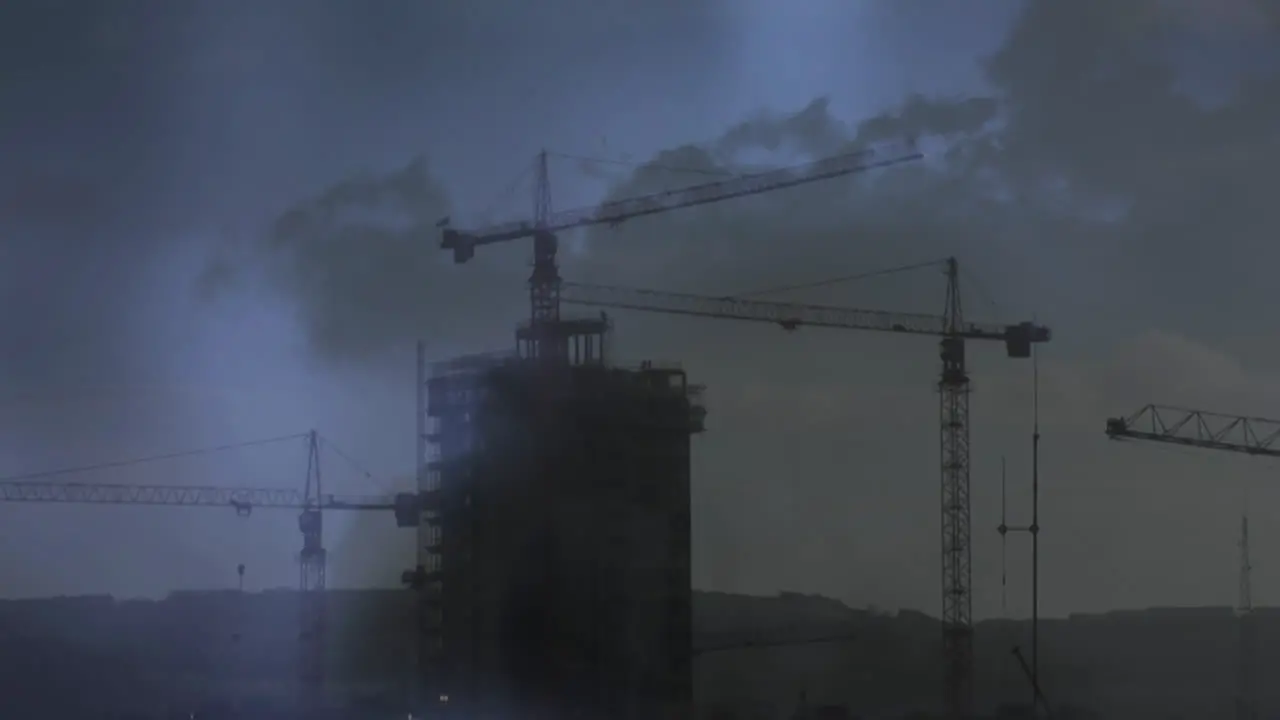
[460,243]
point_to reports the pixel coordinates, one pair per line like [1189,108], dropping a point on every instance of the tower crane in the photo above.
[310,502]
[957,601]
[545,336]
[1214,431]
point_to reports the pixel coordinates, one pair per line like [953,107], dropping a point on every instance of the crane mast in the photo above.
[544,282]
[953,386]
[312,569]
[545,337]
[957,552]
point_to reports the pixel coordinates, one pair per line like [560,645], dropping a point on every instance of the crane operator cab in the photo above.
[1117,427]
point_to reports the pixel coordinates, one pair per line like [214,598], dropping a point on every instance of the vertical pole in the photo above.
[1035,519]
[417,665]
[1003,529]
[1246,703]
[1032,668]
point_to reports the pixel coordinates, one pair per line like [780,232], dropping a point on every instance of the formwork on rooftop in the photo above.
[557,543]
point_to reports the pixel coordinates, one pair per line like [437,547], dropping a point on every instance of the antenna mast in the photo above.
[1004,543]
[1035,518]
[1033,668]
[1246,701]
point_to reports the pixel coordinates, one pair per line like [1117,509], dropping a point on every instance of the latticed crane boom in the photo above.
[793,316]
[1197,428]
[957,597]
[1214,431]
[547,338]
[242,499]
[464,242]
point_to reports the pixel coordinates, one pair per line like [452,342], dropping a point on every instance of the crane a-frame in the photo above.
[545,336]
[957,577]
[1214,431]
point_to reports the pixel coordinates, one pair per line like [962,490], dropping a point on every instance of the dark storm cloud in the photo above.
[86,128]
[1092,187]
[362,258]
[1095,104]
[131,127]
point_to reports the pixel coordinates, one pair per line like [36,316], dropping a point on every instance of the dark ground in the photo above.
[68,655]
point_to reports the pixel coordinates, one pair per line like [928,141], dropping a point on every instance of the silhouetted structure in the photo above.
[953,384]
[560,430]
[1214,431]
[1247,701]
[555,552]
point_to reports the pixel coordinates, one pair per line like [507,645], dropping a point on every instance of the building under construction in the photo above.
[555,551]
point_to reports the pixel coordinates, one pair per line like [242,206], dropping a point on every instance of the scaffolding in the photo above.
[566,485]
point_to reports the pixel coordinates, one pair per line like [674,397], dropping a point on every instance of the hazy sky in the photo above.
[1120,190]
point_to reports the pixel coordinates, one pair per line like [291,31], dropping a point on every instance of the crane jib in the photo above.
[1018,338]
[1200,429]
[464,243]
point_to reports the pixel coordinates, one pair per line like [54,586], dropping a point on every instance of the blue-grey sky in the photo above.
[150,146]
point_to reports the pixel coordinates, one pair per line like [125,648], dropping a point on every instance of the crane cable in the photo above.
[507,193]
[147,459]
[658,166]
[354,465]
[838,280]
[971,281]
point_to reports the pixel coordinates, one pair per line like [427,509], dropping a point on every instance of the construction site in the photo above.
[553,519]
[553,508]
[706,360]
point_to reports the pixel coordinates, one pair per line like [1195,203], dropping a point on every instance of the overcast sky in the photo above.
[1107,167]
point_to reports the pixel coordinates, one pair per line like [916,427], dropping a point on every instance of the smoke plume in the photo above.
[1115,178]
